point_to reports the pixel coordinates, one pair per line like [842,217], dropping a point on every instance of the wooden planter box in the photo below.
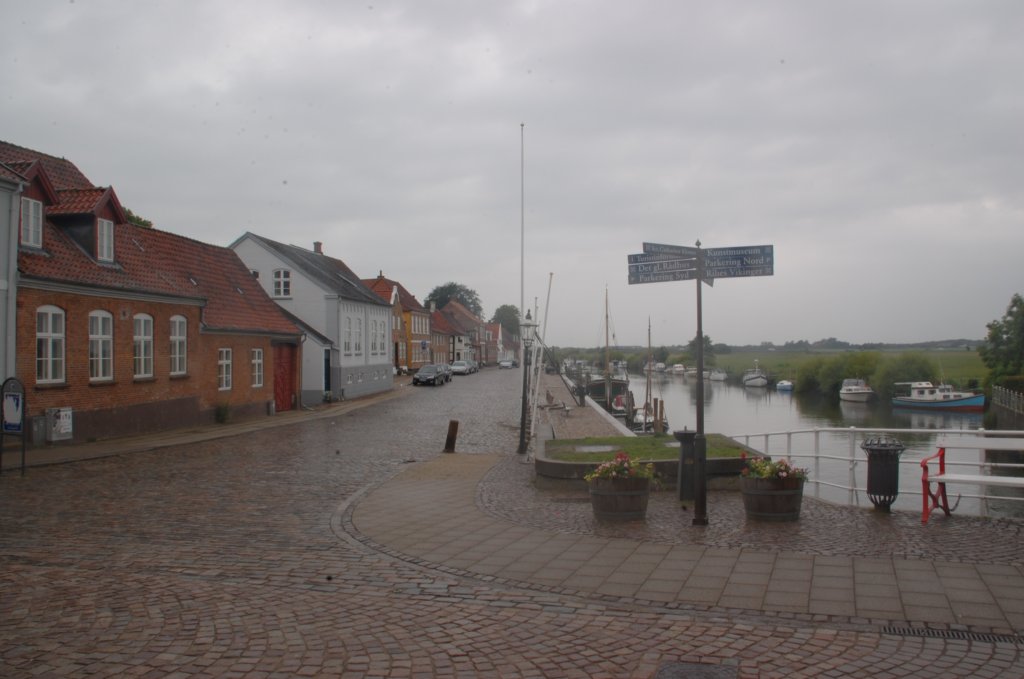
[620,499]
[772,499]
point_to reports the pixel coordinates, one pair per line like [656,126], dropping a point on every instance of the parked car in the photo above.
[461,368]
[474,367]
[447,368]
[430,374]
[507,363]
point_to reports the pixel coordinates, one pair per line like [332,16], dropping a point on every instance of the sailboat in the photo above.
[609,386]
[645,418]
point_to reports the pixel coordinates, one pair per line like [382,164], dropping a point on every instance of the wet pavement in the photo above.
[344,543]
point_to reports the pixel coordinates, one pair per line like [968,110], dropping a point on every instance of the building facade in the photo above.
[327,296]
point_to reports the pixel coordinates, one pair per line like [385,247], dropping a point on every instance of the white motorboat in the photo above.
[755,377]
[718,375]
[784,385]
[855,390]
[678,369]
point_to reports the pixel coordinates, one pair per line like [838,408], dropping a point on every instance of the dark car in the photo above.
[430,374]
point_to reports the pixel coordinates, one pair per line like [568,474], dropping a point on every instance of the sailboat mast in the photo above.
[607,358]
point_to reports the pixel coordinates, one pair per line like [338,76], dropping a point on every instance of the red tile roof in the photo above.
[149,261]
[62,172]
[383,287]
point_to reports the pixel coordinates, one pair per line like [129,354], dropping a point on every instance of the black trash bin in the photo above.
[686,479]
[883,469]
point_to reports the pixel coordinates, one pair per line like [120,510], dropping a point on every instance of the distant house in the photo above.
[443,337]
[350,353]
[415,345]
[123,329]
[472,329]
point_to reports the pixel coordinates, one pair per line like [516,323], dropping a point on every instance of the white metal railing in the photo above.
[827,459]
[1011,400]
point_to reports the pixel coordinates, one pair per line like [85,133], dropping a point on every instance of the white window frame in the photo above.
[50,344]
[142,346]
[101,346]
[257,367]
[178,345]
[31,223]
[357,347]
[224,369]
[347,341]
[104,240]
[282,283]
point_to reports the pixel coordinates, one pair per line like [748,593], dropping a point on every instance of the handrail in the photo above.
[814,454]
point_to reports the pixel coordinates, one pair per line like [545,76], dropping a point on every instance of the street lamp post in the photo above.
[526,336]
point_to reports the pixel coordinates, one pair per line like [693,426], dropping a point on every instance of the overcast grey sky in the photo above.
[876,145]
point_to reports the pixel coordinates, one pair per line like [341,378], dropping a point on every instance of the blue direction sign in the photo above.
[751,260]
[680,251]
[645,258]
[663,263]
[662,276]
[663,266]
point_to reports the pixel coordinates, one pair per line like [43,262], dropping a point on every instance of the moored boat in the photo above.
[717,375]
[755,377]
[855,390]
[678,369]
[784,385]
[928,395]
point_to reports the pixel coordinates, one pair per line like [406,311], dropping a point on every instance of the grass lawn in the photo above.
[957,366]
[639,447]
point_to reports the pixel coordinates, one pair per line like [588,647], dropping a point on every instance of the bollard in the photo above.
[453,433]
[685,477]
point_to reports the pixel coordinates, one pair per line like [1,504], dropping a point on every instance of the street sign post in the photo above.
[661,263]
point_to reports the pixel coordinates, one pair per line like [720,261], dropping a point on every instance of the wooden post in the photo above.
[453,433]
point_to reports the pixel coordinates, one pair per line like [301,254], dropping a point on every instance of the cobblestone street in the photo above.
[276,553]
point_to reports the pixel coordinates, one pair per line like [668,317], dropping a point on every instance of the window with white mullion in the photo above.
[101,346]
[257,367]
[143,345]
[224,369]
[104,240]
[49,345]
[179,345]
[31,223]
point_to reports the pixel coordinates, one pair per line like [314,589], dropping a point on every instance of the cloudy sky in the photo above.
[878,146]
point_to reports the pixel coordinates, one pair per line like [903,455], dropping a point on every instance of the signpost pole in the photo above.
[661,263]
[700,490]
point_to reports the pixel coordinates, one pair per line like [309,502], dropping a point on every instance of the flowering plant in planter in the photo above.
[766,468]
[622,467]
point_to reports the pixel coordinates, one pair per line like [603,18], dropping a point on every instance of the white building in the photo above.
[348,352]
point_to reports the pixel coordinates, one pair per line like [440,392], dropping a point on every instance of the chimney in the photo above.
[318,247]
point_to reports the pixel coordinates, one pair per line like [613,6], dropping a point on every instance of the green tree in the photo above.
[508,316]
[709,349]
[137,220]
[443,294]
[1003,350]
[908,367]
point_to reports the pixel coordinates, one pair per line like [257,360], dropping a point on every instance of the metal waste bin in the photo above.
[686,478]
[883,469]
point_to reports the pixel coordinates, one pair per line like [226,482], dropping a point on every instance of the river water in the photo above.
[737,411]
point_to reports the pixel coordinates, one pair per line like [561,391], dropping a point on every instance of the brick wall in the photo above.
[126,405]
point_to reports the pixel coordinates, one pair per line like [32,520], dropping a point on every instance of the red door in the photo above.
[284,376]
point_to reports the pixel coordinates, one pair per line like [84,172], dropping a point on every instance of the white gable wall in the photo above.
[365,367]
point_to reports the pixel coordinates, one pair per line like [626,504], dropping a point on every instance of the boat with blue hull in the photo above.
[942,396]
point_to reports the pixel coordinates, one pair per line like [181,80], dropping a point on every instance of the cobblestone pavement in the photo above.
[243,557]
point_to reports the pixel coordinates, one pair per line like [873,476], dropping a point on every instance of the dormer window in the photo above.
[31,223]
[282,283]
[104,240]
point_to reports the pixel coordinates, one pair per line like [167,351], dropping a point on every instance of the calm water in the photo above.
[735,410]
